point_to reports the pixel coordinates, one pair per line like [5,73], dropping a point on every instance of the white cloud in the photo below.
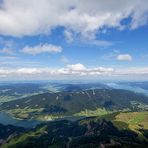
[42,48]
[77,67]
[124,57]
[71,70]
[28,71]
[32,17]
[132,71]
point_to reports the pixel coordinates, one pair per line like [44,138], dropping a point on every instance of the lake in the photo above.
[7,119]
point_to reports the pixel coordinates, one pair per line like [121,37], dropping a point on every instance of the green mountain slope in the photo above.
[70,103]
[8,132]
[86,133]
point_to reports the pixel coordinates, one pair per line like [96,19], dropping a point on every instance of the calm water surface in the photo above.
[7,119]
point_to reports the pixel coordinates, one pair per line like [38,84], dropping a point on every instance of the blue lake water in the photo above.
[7,119]
[128,87]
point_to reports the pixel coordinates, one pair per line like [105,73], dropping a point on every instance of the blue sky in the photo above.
[98,39]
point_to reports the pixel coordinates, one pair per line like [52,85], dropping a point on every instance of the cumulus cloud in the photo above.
[124,57]
[41,48]
[74,69]
[28,71]
[77,67]
[85,17]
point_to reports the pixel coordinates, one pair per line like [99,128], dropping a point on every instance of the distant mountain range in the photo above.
[69,103]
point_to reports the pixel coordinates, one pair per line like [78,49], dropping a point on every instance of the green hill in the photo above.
[76,103]
[91,132]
